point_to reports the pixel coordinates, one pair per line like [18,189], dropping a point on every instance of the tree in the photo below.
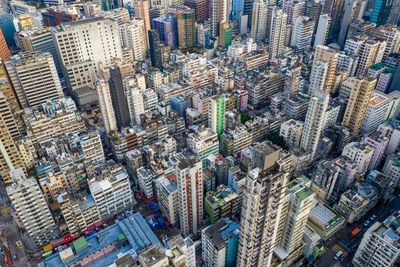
[276,139]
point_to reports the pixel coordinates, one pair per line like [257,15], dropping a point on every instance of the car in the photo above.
[366,223]
[373,217]
[19,244]
[15,258]
[338,255]
[1,197]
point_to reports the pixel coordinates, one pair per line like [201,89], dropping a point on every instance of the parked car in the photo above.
[366,223]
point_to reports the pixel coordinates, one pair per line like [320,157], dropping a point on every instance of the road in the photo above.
[342,241]
[10,231]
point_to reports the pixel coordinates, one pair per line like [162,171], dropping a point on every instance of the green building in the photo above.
[216,114]
[221,203]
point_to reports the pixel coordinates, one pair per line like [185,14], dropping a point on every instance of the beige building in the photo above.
[330,57]
[31,208]
[91,146]
[167,195]
[53,184]
[360,93]
[79,212]
[142,12]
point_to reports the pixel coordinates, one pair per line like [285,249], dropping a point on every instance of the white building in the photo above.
[380,245]
[302,33]
[324,23]
[360,154]
[145,179]
[189,177]
[377,112]
[291,132]
[34,78]
[392,168]
[167,195]
[106,107]
[277,33]
[82,44]
[259,21]
[92,148]
[219,14]
[297,205]
[111,190]
[133,37]
[31,207]
[203,143]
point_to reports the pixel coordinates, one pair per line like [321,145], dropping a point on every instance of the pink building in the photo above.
[378,142]
[348,171]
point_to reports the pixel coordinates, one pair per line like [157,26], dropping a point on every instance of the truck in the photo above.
[354,232]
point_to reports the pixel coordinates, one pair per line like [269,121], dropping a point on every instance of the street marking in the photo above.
[338,248]
[5,210]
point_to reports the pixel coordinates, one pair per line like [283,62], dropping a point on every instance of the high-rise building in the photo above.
[34,78]
[106,106]
[31,208]
[381,12]
[353,10]
[219,14]
[7,115]
[334,8]
[368,52]
[302,33]
[186,28]
[219,241]
[330,57]
[380,244]
[225,35]
[313,11]
[118,97]
[133,36]
[322,30]
[79,62]
[297,205]
[292,79]
[216,114]
[360,93]
[392,168]
[135,103]
[394,17]
[40,41]
[259,21]
[277,33]
[260,217]
[155,49]
[189,178]
[5,54]
[377,112]
[167,28]
[9,156]
[314,122]
[293,9]
[201,9]
[142,12]
[7,89]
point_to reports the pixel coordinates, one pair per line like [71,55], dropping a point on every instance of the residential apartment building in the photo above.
[167,195]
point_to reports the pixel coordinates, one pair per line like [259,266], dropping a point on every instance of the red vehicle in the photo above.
[355,232]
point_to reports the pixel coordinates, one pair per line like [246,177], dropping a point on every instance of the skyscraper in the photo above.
[34,78]
[79,61]
[201,9]
[259,21]
[189,179]
[293,9]
[277,33]
[5,54]
[302,33]
[7,89]
[186,28]
[297,204]
[314,122]
[360,93]
[330,57]
[216,114]
[225,35]
[334,8]
[381,11]
[353,10]
[260,217]
[118,97]
[142,12]
[106,107]
[31,208]
[135,103]
[167,28]
[219,14]
[155,49]
[322,30]
[133,36]
[9,156]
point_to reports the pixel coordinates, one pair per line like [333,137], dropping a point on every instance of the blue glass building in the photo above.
[167,28]
[8,29]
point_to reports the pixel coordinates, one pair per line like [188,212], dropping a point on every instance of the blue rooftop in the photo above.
[138,237]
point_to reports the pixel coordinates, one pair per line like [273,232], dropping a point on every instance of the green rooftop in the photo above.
[79,243]
[381,65]
[121,237]
[300,187]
